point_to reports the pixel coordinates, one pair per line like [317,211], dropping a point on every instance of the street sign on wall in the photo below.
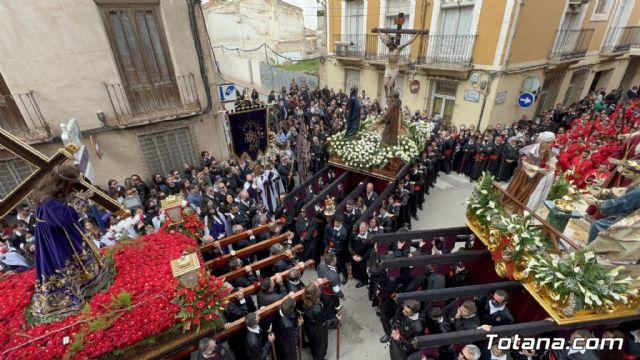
[227,92]
[526,99]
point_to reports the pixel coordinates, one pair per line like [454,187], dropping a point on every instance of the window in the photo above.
[139,46]
[601,6]
[354,17]
[167,150]
[393,8]
[351,78]
[444,99]
[601,10]
[12,173]
[576,85]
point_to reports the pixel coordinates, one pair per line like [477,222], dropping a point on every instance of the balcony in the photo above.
[571,45]
[367,47]
[20,114]
[621,39]
[448,52]
[159,99]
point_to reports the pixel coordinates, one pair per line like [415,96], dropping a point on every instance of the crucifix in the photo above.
[392,62]
[44,165]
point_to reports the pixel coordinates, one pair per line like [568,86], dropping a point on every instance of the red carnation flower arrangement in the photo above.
[203,303]
[190,226]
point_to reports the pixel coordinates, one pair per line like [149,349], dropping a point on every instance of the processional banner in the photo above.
[249,132]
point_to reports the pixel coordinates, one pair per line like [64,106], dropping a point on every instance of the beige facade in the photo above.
[481,55]
[128,71]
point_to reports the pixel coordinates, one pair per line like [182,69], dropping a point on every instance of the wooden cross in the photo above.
[45,165]
[399,21]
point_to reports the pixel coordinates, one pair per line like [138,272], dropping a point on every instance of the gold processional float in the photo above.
[503,245]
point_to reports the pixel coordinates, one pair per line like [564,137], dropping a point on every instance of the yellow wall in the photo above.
[508,111]
[335,22]
[465,112]
[488,31]
[600,27]
[536,30]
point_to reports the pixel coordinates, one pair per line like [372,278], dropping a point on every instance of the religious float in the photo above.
[566,280]
[368,155]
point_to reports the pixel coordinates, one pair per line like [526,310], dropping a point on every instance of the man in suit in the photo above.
[577,350]
[493,310]
[333,293]
[335,239]
[369,195]
[258,344]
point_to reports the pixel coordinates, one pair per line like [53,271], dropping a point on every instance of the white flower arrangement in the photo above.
[578,275]
[366,151]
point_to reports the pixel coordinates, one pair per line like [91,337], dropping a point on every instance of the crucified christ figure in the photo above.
[392,63]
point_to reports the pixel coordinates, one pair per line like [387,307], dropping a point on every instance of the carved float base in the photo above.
[389,172]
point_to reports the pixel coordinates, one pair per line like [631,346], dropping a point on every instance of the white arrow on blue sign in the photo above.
[227,92]
[526,99]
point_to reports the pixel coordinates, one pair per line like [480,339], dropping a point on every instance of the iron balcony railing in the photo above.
[449,51]
[571,44]
[368,47]
[20,114]
[157,99]
[621,39]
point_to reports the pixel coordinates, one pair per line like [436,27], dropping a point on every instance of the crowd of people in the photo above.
[234,196]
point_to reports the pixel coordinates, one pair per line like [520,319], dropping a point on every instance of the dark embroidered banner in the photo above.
[249,133]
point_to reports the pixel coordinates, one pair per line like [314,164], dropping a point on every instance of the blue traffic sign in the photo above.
[526,99]
[227,92]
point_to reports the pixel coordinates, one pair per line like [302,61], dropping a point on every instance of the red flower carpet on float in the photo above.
[143,274]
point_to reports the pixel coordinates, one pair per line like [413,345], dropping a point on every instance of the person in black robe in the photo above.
[316,324]
[360,248]
[483,150]
[457,152]
[405,328]
[287,330]
[336,241]
[237,309]
[466,317]
[468,156]
[286,172]
[447,146]
[353,120]
[509,160]
[494,157]
[332,293]
[493,310]
[318,154]
[258,342]
[416,176]
[306,229]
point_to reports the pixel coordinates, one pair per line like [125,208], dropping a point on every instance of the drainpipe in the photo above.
[484,99]
[191,4]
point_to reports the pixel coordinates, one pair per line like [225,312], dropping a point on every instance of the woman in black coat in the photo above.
[316,325]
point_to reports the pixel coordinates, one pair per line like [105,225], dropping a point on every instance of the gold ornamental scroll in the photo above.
[43,166]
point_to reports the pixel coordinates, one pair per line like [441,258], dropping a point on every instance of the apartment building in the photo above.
[481,55]
[136,75]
